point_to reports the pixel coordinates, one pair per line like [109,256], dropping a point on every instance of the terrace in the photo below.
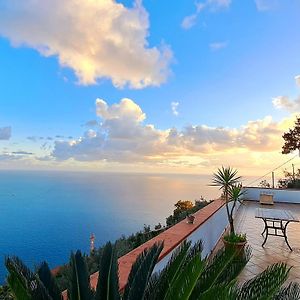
[210,225]
[275,250]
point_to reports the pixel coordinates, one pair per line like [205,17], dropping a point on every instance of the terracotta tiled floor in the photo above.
[275,249]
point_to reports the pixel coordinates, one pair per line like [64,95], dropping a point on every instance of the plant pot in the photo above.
[190,219]
[238,247]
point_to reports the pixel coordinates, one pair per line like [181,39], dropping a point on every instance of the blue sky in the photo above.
[223,69]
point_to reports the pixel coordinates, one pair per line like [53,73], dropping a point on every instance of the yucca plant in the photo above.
[227,181]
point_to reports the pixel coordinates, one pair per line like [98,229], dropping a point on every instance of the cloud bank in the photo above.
[123,136]
[284,102]
[97,39]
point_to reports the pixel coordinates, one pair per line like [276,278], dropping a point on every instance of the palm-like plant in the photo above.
[24,284]
[186,276]
[225,179]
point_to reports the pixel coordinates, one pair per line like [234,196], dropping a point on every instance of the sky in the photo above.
[147,86]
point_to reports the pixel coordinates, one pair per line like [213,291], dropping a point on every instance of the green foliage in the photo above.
[266,285]
[228,181]
[108,282]
[180,214]
[292,138]
[122,246]
[221,270]
[169,273]
[181,206]
[24,284]
[235,238]
[264,184]
[187,276]
[290,180]
[48,281]
[79,285]
[225,178]
[18,279]
[141,272]
[289,292]
[125,244]
[6,293]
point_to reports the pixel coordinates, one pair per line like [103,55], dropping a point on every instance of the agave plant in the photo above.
[226,179]
[187,276]
[27,285]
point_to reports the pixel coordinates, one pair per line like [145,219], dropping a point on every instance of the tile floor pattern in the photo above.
[275,249]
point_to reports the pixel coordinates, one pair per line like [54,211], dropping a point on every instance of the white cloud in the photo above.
[5,133]
[97,39]
[124,137]
[174,107]
[9,157]
[212,5]
[264,5]
[189,21]
[297,79]
[218,46]
[284,102]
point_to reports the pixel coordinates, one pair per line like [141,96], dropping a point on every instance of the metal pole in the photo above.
[293,172]
[273,180]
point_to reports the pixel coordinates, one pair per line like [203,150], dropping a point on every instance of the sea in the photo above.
[44,215]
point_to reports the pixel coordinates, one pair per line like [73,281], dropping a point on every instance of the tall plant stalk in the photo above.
[225,179]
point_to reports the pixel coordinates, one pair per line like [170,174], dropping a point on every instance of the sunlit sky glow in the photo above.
[155,86]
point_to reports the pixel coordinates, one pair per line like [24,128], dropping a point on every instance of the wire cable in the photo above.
[273,170]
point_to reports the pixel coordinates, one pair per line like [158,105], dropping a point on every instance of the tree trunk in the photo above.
[229,215]
[231,225]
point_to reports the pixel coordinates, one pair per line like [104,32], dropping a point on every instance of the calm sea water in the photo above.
[45,215]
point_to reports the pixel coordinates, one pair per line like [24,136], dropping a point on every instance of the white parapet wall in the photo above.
[209,233]
[279,195]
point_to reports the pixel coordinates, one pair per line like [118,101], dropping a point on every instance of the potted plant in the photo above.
[228,181]
[190,219]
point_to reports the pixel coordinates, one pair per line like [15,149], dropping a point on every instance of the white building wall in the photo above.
[209,232]
[279,195]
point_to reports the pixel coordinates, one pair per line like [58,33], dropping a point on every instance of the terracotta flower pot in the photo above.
[190,219]
[239,247]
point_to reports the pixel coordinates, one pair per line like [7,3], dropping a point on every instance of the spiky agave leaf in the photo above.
[170,272]
[48,281]
[18,278]
[221,269]
[266,284]
[236,192]
[218,292]
[183,285]
[141,272]
[153,285]
[24,283]
[289,292]
[225,177]
[108,280]
[79,288]
[194,250]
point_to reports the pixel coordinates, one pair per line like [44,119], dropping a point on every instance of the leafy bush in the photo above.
[183,209]
[235,238]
